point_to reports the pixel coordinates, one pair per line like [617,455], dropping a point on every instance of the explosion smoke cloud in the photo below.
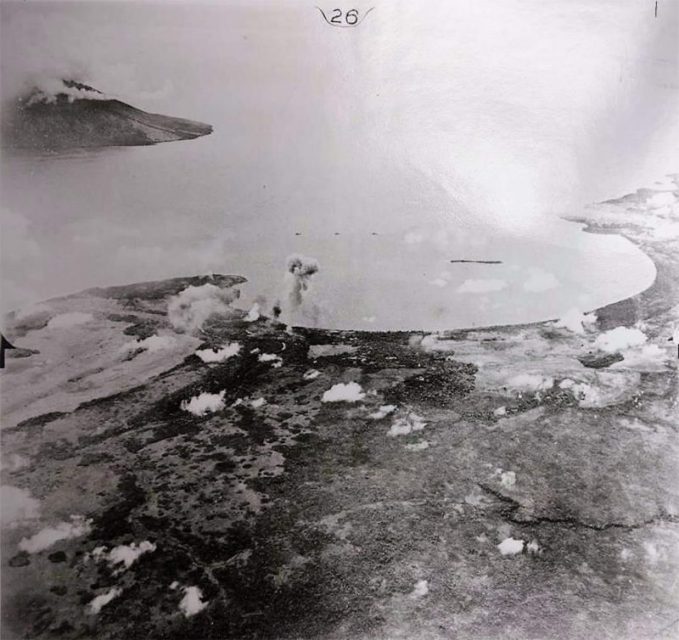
[189,309]
[299,269]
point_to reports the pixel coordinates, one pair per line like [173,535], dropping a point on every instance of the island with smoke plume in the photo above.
[66,114]
[176,467]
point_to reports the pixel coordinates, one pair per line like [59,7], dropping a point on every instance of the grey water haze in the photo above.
[423,136]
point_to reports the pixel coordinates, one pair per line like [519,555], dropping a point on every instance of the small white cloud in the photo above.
[276,361]
[481,286]
[508,479]
[253,315]
[442,279]
[408,424]
[587,395]
[533,547]
[651,552]
[540,281]
[45,538]
[98,552]
[510,546]
[192,307]
[220,355]
[17,505]
[382,412]
[626,554]
[369,319]
[420,590]
[620,338]
[204,403]
[128,554]
[575,321]
[349,392]
[650,356]
[256,404]
[33,311]
[661,199]
[14,462]
[530,382]
[66,320]
[192,602]
[158,343]
[101,601]
[433,342]
[47,90]
[174,585]
[311,374]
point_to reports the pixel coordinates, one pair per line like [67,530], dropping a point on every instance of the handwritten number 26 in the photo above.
[350,17]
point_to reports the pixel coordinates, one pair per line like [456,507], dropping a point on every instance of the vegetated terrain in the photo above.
[512,482]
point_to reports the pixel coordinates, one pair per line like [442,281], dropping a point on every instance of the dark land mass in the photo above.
[62,122]
[382,516]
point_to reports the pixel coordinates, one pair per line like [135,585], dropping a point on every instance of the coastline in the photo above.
[507,471]
[659,297]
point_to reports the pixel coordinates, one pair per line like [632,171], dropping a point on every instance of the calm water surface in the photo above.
[384,152]
[384,247]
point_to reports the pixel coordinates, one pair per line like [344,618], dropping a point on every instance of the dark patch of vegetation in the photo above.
[64,627]
[57,556]
[225,466]
[256,428]
[154,524]
[31,613]
[360,453]
[133,444]
[37,423]
[123,317]
[115,521]
[272,599]
[142,330]
[555,397]
[238,376]
[444,383]
[206,546]
[103,403]
[22,353]
[21,559]
[181,425]
[94,457]
[60,450]
[160,289]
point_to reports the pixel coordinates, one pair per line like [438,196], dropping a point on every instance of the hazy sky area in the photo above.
[468,115]
[502,82]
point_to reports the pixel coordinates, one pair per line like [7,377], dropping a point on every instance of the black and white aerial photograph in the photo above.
[339,320]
